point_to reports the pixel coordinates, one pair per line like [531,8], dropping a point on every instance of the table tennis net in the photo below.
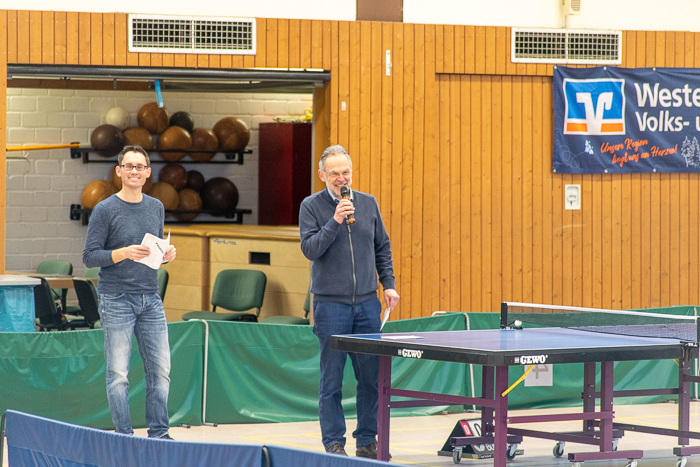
[631,323]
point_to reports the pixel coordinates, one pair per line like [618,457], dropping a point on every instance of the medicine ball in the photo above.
[203,139]
[219,195]
[95,192]
[195,180]
[107,140]
[183,120]
[174,174]
[153,118]
[233,134]
[118,117]
[174,137]
[166,194]
[137,136]
[189,201]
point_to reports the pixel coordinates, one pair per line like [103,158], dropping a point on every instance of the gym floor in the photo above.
[416,440]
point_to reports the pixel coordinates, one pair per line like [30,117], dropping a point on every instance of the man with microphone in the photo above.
[343,235]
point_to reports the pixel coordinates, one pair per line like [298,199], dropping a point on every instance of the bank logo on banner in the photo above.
[594,106]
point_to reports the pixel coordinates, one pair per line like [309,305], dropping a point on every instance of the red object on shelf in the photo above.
[284,176]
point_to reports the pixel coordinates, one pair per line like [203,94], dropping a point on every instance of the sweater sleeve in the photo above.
[315,239]
[382,253]
[95,254]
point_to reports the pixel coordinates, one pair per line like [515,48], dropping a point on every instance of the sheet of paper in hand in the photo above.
[158,247]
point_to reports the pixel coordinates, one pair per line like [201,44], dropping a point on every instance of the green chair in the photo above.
[292,319]
[57,266]
[163,278]
[236,290]
[92,273]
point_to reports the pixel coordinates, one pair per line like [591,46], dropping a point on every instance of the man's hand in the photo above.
[170,254]
[344,209]
[391,298]
[132,252]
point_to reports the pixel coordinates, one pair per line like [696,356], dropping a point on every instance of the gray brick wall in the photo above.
[41,185]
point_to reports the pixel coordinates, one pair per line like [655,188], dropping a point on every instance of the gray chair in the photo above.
[57,266]
[236,290]
[87,298]
[279,319]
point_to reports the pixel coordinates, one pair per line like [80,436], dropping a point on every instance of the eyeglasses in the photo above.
[335,175]
[130,167]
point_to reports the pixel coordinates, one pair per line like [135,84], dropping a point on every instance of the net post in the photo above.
[697,329]
[504,315]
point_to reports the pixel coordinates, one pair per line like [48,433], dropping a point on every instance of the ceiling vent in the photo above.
[566,46]
[191,34]
[572,7]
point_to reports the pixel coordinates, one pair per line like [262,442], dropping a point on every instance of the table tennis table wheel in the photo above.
[682,461]
[558,450]
[510,453]
[457,455]
[632,463]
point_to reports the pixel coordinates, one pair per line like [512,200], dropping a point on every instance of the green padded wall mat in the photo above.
[271,373]
[61,375]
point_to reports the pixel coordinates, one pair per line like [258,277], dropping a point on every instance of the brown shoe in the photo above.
[369,451]
[337,448]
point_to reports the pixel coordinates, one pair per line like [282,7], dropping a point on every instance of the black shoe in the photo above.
[369,451]
[166,437]
[337,448]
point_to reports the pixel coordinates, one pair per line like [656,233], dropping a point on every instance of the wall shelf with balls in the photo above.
[234,216]
[231,157]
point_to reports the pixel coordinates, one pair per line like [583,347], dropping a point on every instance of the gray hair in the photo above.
[332,151]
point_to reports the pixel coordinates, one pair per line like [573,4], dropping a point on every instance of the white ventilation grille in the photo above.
[191,34]
[566,46]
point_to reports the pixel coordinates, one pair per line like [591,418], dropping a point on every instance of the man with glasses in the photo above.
[128,292]
[346,258]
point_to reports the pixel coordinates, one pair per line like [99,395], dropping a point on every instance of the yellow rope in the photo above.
[512,386]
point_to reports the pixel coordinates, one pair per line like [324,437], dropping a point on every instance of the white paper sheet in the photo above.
[158,247]
[387,312]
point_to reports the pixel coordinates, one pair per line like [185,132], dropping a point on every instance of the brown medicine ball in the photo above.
[219,195]
[183,120]
[166,194]
[153,118]
[189,201]
[233,134]
[117,182]
[174,174]
[95,192]
[107,140]
[137,136]
[173,138]
[203,140]
[195,180]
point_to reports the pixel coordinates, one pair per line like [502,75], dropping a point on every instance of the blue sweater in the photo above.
[345,262]
[115,223]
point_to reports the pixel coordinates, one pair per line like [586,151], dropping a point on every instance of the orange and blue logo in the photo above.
[594,106]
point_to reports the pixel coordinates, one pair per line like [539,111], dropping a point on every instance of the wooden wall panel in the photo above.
[456,146]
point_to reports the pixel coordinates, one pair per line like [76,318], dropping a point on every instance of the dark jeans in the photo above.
[331,319]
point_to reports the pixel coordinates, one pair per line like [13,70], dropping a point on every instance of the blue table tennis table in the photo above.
[498,349]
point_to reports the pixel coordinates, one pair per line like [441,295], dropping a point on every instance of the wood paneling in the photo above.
[456,146]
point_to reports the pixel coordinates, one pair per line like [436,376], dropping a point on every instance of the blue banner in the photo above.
[623,120]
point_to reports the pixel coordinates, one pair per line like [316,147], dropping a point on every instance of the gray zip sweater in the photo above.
[345,262]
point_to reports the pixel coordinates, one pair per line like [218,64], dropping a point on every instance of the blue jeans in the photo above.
[122,316]
[331,319]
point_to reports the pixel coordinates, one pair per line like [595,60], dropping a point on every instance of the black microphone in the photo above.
[345,194]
